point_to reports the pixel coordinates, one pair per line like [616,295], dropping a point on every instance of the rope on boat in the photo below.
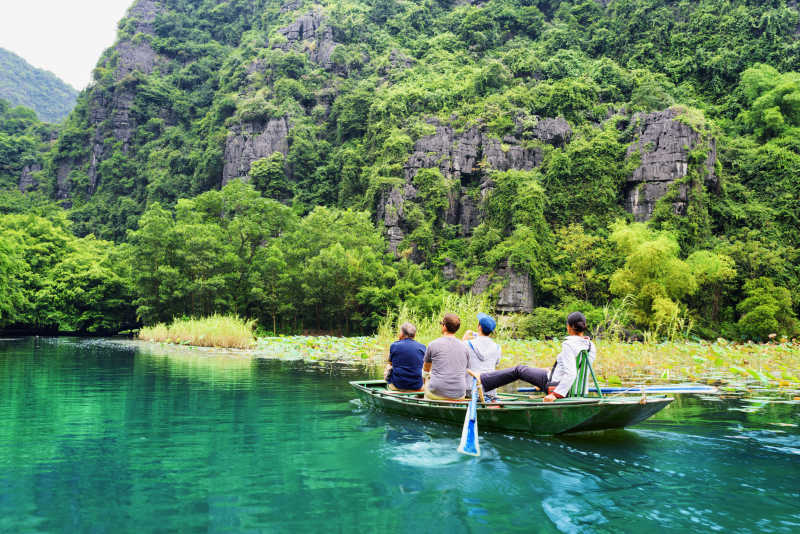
[641,388]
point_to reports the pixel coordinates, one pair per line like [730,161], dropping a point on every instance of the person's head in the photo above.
[576,323]
[486,324]
[450,323]
[407,331]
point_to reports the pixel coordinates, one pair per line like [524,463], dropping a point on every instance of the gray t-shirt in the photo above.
[448,357]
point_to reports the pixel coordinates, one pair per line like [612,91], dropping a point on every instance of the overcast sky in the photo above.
[65,37]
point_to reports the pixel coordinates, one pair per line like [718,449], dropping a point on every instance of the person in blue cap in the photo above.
[484,353]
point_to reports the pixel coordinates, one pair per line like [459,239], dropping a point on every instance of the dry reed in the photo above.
[214,331]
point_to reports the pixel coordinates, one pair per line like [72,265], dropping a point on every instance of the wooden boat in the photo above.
[520,413]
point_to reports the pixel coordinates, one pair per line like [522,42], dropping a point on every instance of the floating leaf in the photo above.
[788,376]
[758,375]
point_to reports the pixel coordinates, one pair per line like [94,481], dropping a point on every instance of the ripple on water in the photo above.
[429,454]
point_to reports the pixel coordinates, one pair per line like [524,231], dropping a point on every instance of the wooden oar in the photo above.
[469,434]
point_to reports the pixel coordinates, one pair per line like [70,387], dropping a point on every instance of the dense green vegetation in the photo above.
[55,281]
[42,91]
[300,248]
[24,141]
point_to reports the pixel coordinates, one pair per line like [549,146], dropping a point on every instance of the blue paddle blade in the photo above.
[470,444]
[469,434]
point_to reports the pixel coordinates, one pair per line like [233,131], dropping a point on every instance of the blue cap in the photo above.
[487,323]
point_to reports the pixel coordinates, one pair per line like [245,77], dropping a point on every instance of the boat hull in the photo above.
[527,417]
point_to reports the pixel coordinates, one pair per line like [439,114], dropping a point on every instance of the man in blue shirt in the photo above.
[404,372]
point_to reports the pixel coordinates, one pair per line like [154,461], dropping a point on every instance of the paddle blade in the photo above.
[469,434]
[469,438]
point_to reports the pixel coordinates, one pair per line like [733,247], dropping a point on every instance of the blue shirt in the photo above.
[406,358]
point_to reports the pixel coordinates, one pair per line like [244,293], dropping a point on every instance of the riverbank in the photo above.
[733,366]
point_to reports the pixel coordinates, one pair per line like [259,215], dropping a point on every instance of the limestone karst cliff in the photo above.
[364,101]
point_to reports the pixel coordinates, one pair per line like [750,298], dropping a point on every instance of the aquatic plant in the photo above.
[228,331]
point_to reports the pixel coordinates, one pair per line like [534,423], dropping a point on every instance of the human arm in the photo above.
[469,334]
[427,363]
[568,371]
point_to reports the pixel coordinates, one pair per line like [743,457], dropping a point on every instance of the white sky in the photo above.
[65,37]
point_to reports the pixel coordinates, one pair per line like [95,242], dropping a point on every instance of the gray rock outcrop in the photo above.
[516,295]
[457,154]
[466,157]
[136,54]
[143,13]
[310,34]
[664,144]
[26,181]
[63,185]
[110,110]
[250,142]
[556,132]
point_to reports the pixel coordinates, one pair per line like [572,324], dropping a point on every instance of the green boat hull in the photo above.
[534,417]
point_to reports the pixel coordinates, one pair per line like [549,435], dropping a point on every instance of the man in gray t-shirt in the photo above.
[446,359]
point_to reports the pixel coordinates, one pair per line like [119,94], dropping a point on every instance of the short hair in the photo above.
[452,322]
[408,330]
[577,321]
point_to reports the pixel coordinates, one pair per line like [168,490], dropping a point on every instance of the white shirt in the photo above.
[566,370]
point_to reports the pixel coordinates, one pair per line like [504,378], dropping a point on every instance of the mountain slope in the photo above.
[480,138]
[21,84]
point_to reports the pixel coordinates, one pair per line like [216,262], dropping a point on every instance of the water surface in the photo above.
[97,437]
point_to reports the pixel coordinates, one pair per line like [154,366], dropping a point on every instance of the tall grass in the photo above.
[664,356]
[213,331]
[429,325]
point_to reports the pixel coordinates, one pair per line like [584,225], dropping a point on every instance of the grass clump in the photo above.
[223,331]
[429,324]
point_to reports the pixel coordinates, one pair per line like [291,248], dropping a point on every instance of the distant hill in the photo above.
[22,84]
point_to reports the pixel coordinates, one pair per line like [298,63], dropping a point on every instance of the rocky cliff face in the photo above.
[110,107]
[516,294]
[664,144]
[467,158]
[311,35]
[136,54]
[250,142]
[26,181]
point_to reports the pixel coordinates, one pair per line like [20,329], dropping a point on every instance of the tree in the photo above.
[767,310]
[652,274]
[712,271]
[582,266]
[269,177]
[12,297]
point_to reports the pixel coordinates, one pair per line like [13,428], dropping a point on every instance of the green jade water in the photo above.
[98,437]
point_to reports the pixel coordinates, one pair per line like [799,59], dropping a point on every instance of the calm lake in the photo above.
[99,437]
